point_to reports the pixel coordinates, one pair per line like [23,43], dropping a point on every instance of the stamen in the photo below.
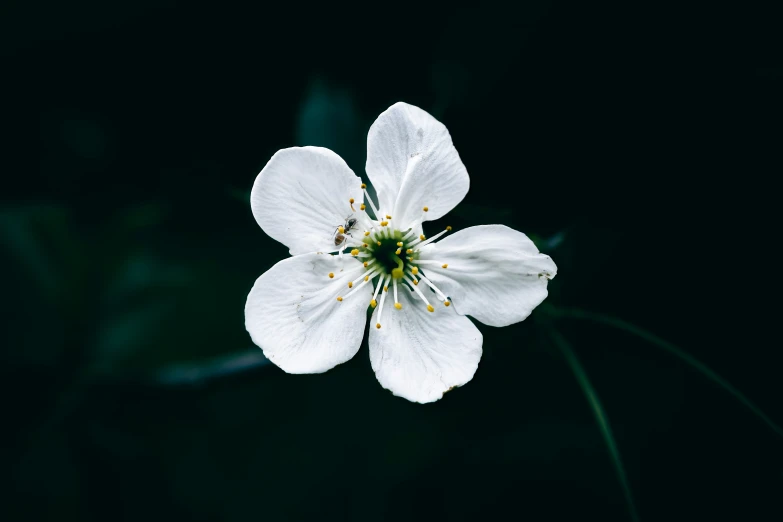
[384,223]
[374,303]
[364,186]
[426,209]
[419,244]
[418,292]
[422,237]
[432,262]
[355,252]
[339,298]
[399,243]
[366,233]
[354,290]
[331,275]
[397,304]
[372,205]
[440,294]
[380,308]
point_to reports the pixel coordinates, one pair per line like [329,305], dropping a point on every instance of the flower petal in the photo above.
[302,195]
[494,274]
[293,314]
[420,355]
[412,163]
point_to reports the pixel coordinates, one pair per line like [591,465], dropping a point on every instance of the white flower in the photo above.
[308,312]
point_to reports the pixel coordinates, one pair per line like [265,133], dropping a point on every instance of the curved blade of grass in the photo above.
[600,417]
[669,347]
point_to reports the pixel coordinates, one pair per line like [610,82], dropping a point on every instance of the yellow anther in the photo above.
[448,228]
[426,209]
[445,265]
[355,252]
[350,201]
[378,326]
[366,278]
[384,223]
[385,288]
[341,230]
[398,306]
[415,282]
[422,237]
[331,275]
[388,216]
[365,264]
[430,308]
[364,186]
[373,303]
[366,233]
[409,251]
[350,284]
[415,270]
[379,243]
[409,258]
[399,243]
[362,207]
[398,251]
[447,303]
[339,298]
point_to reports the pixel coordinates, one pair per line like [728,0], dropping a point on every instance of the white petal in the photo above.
[494,274]
[293,314]
[302,195]
[420,355]
[412,163]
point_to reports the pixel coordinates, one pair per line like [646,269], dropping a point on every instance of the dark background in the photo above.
[623,139]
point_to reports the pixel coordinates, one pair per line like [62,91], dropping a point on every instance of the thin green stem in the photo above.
[677,352]
[600,417]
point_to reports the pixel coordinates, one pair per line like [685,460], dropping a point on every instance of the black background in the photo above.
[637,136]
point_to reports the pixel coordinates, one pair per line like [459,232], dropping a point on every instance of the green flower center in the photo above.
[390,251]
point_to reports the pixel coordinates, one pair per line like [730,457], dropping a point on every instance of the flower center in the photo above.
[389,256]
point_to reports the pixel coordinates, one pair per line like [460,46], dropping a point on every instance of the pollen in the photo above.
[331,275]
[398,251]
[409,251]
[446,303]
[415,270]
[426,209]
[366,233]
[362,207]
[341,230]
[448,228]
[388,216]
[430,308]
[445,265]
[385,288]
[364,186]
[399,243]
[366,278]
[373,303]
[339,298]
[365,264]
[378,326]
[422,237]
[398,306]
[350,284]
[416,282]
[384,223]
[355,252]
